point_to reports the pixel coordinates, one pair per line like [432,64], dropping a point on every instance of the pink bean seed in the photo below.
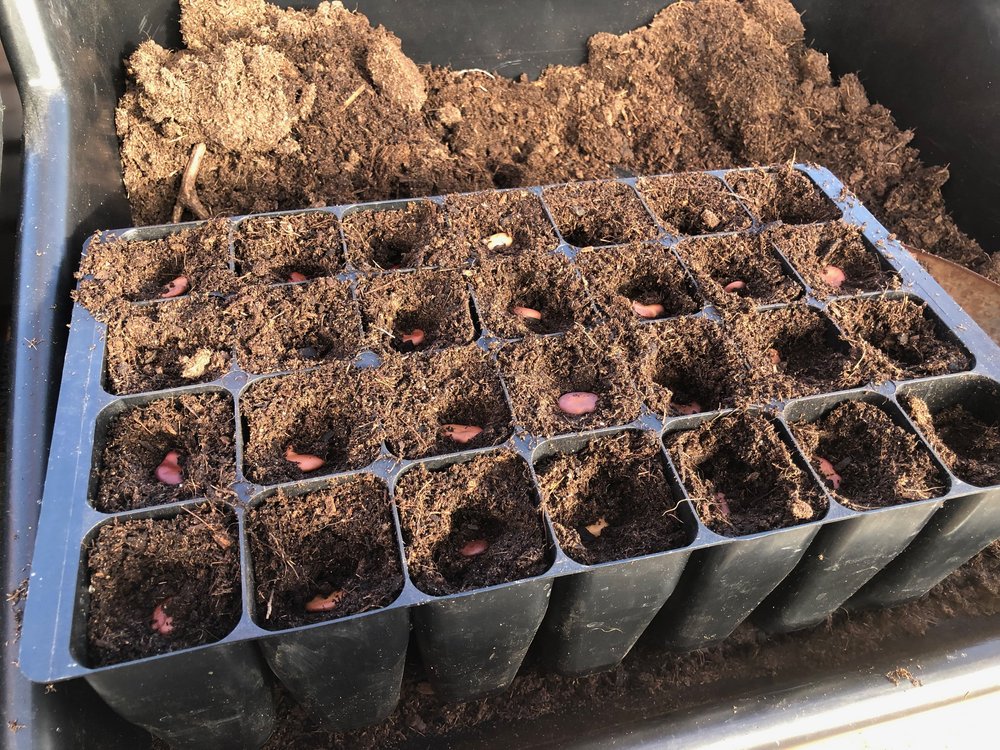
[474,548]
[175,288]
[834,276]
[305,461]
[526,312]
[296,277]
[829,473]
[414,337]
[647,311]
[578,402]
[169,470]
[320,603]
[720,500]
[161,622]
[734,286]
[461,433]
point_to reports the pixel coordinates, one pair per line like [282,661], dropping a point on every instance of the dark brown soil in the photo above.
[968,445]
[168,344]
[339,539]
[811,355]
[879,463]
[810,249]
[542,281]
[741,477]
[473,219]
[693,204]
[330,413]
[908,339]
[594,214]
[647,274]
[490,498]
[688,365]
[200,428]
[295,326]
[271,248]
[426,392]
[621,481]
[539,370]
[116,270]
[188,564]
[391,238]
[718,262]
[784,195]
[434,302]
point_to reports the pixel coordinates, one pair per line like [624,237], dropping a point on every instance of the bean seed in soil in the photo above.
[834,276]
[175,288]
[295,277]
[414,337]
[320,603]
[578,402]
[169,470]
[161,622]
[475,547]
[597,527]
[775,356]
[734,286]
[461,433]
[305,461]
[829,472]
[720,500]
[499,240]
[529,313]
[647,311]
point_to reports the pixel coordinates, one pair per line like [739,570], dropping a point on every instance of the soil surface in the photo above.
[594,214]
[610,499]
[337,543]
[200,428]
[968,445]
[875,463]
[693,204]
[393,237]
[447,514]
[784,195]
[620,277]
[741,477]
[186,564]
[271,248]
[330,413]
[428,395]
[814,248]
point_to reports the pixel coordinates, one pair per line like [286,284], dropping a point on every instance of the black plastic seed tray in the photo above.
[583,617]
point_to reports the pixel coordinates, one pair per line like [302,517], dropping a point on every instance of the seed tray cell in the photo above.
[321,409]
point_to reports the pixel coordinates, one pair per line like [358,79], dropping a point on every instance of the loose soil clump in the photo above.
[610,500]
[186,566]
[430,394]
[489,499]
[871,462]
[743,264]
[434,303]
[599,213]
[692,204]
[812,249]
[200,428]
[741,476]
[392,238]
[476,221]
[532,283]
[168,344]
[968,445]
[117,270]
[637,282]
[330,413]
[538,371]
[272,248]
[295,326]
[907,336]
[337,544]
[784,195]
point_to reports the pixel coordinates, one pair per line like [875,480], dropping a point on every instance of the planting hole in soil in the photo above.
[292,247]
[323,554]
[875,462]
[687,366]
[637,282]
[530,293]
[784,195]
[795,351]
[833,258]
[196,432]
[295,327]
[420,310]
[741,476]
[448,514]
[541,371]
[610,500]
[738,270]
[117,269]
[490,224]
[968,443]
[329,414]
[442,402]
[167,344]
[593,214]
[391,238]
[693,204]
[161,584]
[910,338]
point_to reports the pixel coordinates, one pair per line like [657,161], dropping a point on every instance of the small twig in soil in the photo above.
[187,196]
[354,95]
